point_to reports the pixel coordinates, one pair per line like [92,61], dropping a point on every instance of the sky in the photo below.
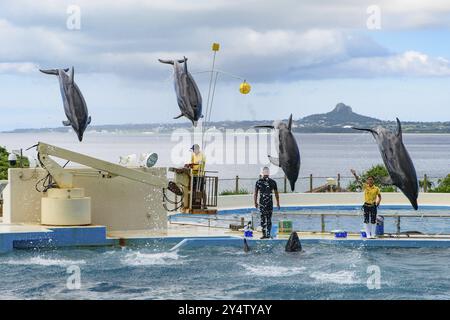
[385,59]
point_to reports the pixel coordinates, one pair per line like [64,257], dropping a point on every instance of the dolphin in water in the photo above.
[75,106]
[188,96]
[293,244]
[397,160]
[246,247]
[288,153]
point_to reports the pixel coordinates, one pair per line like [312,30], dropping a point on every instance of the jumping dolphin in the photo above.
[293,244]
[75,106]
[188,96]
[289,155]
[397,160]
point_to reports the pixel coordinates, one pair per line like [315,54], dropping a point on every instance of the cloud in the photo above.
[265,41]
[11,68]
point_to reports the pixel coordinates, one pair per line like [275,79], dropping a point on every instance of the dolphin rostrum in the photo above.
[188,96]
[75,106]
[288,153]
[397,160]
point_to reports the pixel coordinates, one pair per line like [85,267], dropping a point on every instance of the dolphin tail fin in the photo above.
[72,75]
[274,161]
[49,71]
[89,120]
[166,61]
[177,117]
[365,129]
[185,64]
[399,128]
[66,123]
[290,122]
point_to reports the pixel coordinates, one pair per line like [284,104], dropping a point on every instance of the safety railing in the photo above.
[211,186]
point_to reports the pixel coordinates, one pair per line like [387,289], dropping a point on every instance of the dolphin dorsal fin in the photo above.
[399,129]
[290,122]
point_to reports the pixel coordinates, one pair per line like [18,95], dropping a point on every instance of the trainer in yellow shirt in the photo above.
[372,199]
[198,161]
[371,193]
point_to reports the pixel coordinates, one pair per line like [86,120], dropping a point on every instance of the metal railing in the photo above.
[211,186]
[306,183]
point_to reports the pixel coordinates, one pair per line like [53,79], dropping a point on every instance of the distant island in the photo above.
[338,120]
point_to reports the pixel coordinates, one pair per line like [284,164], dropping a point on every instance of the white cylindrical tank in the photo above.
[66,207]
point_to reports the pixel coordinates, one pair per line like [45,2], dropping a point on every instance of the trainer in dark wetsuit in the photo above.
[265,186]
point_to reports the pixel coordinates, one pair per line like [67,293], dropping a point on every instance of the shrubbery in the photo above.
[4,164]
[443,185]
[380,175]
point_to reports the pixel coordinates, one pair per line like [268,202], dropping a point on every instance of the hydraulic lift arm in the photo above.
[64,178]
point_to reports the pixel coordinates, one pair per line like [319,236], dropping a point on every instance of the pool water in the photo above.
[266,272]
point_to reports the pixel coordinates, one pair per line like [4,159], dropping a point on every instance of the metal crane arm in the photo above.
[64,178]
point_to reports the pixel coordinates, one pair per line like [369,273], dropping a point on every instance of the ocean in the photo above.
[322,155]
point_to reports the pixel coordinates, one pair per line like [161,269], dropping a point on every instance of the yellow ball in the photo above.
[244,88]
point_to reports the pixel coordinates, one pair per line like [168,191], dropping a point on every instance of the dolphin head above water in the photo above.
[397,160]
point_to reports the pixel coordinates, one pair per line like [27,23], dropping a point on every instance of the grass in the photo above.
[227,192]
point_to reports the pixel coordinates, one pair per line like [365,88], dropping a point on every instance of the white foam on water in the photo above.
[148,259]
[340,277]
[273,271]
[42,261]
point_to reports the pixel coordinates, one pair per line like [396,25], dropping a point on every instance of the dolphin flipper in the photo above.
[66,123]
[387,180]
[274,161]
[89,120]
[177,117]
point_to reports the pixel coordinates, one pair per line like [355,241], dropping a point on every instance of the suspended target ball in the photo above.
[244,88]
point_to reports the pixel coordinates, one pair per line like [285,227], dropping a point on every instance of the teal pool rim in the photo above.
[318,208]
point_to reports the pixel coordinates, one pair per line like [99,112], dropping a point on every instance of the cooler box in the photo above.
[379,231]
[340,233]
[285,226]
